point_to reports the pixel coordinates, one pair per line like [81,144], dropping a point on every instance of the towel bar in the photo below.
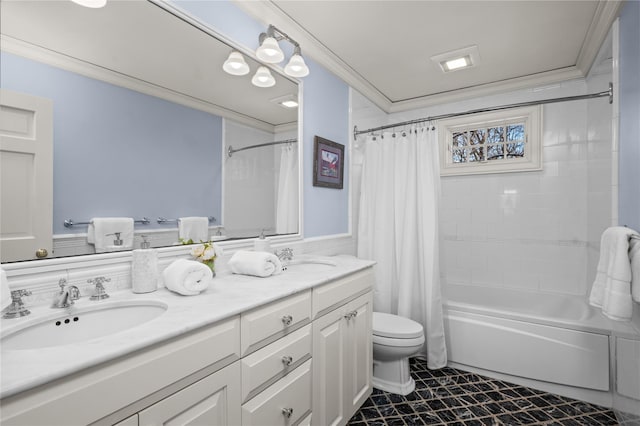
[68,223]
[165,220]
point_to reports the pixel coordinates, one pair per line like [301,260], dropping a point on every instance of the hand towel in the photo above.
[5,293]
[634,258]
[187,277]
[611,289]
[101,229]
[193,228]
[256,263]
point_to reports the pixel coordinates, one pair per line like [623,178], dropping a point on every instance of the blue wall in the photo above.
[107,138]
[629,177]
[325,114]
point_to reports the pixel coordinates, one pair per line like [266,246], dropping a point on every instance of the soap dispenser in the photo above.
[144,278]
[262,243]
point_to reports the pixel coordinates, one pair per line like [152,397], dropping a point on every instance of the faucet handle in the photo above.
[100,292]
[98,281]
[62,282]
[16,295]
[17,309]
[116,241]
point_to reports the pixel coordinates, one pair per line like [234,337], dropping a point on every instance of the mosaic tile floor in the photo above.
[458,398]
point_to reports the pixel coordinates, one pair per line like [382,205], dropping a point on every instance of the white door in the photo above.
[26,176]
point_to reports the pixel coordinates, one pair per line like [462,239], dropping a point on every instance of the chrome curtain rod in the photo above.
[231,150]
[608,93]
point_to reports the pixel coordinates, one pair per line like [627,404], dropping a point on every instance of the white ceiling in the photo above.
[383,48]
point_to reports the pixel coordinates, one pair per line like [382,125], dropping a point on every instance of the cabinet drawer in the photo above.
[286,402]
[265,366]
[269,323]
[329,296]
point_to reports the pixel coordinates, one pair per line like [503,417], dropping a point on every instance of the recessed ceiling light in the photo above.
[459,59]
[287,101]
[454,64]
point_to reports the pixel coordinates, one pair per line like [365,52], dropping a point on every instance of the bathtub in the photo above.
[547,341]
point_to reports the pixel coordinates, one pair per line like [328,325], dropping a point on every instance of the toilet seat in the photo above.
[398,343]
[392,327]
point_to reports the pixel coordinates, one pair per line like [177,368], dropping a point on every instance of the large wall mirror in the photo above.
[143,119]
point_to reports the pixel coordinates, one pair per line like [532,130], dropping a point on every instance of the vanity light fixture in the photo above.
[235,64]
[270,52]
[296,66]
[94,4]
[263,78]
[459,59]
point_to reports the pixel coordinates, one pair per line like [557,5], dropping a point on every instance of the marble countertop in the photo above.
[229,295]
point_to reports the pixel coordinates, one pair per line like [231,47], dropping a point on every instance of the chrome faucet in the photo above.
[66,296]
[17,308]
[284,254]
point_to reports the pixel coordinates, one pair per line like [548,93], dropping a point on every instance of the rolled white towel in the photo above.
[187,277]
[256,263]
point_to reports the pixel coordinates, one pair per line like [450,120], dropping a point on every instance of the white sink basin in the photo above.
[63,327]
[309,265]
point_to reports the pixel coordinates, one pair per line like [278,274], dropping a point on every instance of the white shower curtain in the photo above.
[398,228]
[287,197]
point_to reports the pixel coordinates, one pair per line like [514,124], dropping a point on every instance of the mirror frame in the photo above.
[167,251]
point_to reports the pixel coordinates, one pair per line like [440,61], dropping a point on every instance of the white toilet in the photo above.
[395,339]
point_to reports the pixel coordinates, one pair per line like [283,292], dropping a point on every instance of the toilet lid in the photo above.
[388,325]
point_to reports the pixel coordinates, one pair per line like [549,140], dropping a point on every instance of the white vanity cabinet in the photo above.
[304,359]
[342,348]
[120,388]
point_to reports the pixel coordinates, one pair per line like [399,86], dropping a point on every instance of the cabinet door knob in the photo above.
[287,360]
[287,412]
[42,253]
[287,319]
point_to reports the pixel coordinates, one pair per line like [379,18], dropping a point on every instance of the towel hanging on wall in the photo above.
[611,289]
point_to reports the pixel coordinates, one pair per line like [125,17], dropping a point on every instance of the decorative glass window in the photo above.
[492,142]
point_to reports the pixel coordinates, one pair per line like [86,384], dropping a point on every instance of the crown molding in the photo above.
[520,83]
[267,12]
[39,54]
[606,13]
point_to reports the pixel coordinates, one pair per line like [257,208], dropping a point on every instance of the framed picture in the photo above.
[328,163]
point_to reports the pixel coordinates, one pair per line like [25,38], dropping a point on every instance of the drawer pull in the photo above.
[287,412]
[287,360]
[350,315]
[287,319]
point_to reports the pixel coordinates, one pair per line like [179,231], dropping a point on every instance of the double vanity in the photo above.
[291,349]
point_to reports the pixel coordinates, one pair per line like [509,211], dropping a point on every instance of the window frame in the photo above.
[532,160]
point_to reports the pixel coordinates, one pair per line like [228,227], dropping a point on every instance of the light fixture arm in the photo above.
[275,33]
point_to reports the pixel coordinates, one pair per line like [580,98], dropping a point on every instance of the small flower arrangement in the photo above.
[205,252]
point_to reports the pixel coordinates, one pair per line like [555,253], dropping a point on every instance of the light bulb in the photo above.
[296,67]
[263,78]
[269,51]
[235,64]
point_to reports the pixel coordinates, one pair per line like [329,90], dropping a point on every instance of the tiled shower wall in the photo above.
[535,231]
